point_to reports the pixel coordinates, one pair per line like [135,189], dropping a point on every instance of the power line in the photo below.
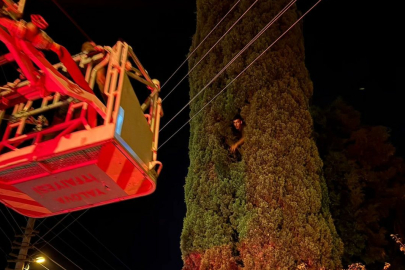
[3,251]
[6,256]
[8,221]
[32,259]
[43,220]
[73,21]
[42,237]
[202,58]
[103,245]
[74,249]
[37,241]
[65,227]
[298,20]
[56,251]
[6,235]
[212,30]
[92,250]
[52,260]
[43,266]
[234,58]
[8,210]
[4,73]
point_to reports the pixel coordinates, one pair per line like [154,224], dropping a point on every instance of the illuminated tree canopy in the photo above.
[268,210]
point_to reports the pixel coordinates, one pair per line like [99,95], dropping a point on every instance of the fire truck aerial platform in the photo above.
[68,142]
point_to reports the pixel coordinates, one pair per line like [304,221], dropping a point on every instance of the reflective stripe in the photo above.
[15,194]
[24,206]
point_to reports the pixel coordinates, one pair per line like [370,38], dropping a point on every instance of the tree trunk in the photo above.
[267,209]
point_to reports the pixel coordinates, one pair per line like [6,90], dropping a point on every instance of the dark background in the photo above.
[349,46]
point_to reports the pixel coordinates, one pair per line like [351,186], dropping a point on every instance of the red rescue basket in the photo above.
[64,150]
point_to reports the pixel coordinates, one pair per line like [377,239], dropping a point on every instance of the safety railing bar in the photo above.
[119,81]
[45,100]
[140,67]
[83,114]
[21,127]
[42,109]
[136,77]
[111,102]
[93,75]
[88,72]
[56,97]
[29,136]
[73,125]
[7,145]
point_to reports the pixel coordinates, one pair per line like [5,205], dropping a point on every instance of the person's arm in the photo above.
[237,144]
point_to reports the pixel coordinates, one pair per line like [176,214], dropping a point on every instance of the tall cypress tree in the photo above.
[268,210]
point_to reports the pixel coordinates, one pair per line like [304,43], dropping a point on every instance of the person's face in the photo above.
[237,124]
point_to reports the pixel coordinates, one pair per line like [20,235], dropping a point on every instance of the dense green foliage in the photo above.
[366,185]
[269,210]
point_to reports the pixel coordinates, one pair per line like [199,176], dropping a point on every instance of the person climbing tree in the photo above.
[239,126]
[270,211]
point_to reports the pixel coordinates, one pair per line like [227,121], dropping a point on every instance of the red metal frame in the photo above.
[77,160]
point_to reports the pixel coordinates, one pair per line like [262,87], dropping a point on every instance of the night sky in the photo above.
[348,47]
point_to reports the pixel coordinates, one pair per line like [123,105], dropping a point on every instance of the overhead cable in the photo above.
[212,30]
[5,254]
[52,260]
[126,266]
[213,46]
[1,229]
[8,221]
[43,266]
[73,21]
[8,210]
[91,249]
[74,249]
[299,19]
[49,244]
[42,237]
[234,58]
[42,221]
[65,227]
